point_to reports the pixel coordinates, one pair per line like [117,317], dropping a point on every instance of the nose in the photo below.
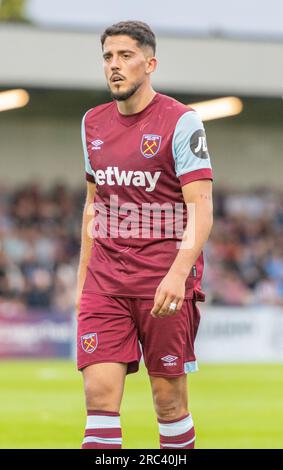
[115,63]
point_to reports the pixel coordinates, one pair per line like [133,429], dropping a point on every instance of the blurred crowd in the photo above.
[245,250]
[39,247]
[40,235]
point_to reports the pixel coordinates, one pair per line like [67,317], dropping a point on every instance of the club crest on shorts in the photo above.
[150,144]
[89,342]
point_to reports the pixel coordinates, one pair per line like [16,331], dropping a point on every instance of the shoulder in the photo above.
[176,109]
[100,111]
[172,102]
[188,121]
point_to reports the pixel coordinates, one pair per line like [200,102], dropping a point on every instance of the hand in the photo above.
[171,289]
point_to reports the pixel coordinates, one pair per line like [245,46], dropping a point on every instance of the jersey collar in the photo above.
[129,119]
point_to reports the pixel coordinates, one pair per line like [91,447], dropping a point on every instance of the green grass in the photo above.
[233,406]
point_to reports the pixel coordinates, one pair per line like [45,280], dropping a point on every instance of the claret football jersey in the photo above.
[139,163]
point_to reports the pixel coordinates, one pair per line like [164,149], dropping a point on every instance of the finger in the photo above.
[158,303]
[165,310]
[179,304]
[171,311]
[158,308]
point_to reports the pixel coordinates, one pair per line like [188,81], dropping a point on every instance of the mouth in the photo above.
[116,79]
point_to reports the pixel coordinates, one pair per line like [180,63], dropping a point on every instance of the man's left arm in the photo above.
[198,194]
[193,168]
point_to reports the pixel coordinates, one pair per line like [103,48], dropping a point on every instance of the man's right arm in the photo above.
[86,242]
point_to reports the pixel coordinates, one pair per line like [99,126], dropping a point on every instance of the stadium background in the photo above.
[236,397]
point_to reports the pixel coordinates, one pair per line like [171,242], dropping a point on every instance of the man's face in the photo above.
[125,65]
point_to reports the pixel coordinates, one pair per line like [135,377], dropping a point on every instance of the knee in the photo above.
[169,406]
[100,396]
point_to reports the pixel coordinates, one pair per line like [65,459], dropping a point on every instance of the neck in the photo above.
[137,102]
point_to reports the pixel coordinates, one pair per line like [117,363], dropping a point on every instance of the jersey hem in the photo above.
[113,294]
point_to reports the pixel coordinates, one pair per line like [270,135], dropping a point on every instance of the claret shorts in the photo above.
[121,329]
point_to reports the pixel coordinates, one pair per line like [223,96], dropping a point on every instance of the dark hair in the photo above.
[137,30]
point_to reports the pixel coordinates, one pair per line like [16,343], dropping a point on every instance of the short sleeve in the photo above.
[88,170]
[189,148]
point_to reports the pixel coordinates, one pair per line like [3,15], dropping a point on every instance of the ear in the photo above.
[151,65]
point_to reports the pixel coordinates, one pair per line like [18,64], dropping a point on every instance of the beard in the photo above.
[124,95]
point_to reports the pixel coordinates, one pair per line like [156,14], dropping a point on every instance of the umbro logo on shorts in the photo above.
[89,342]
[169,360]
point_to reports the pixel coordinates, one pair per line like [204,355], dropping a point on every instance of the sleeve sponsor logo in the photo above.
[198,144]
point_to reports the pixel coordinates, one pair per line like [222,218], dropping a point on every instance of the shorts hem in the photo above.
[80,367]
[189,366]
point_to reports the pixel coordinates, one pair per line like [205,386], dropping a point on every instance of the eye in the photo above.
[126,56]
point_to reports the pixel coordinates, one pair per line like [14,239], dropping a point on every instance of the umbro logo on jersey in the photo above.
[169,360]
[112,175]
[96,144]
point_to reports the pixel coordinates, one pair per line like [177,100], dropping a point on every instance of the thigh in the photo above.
[168,342]
[106,332]
[104,385]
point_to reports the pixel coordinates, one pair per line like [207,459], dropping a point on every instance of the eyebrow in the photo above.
[122,51]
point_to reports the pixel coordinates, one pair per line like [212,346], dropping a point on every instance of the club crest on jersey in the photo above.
[89,342]
[150,144]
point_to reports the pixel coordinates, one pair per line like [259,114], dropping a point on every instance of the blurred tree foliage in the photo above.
[13,10]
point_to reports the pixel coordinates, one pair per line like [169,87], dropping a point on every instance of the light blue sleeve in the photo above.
[88,168]
[189,145]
